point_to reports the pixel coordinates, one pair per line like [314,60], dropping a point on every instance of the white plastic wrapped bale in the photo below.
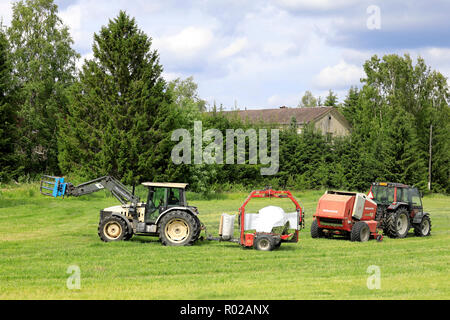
[269,218]
[226,228]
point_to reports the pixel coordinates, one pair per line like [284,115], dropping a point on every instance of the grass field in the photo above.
[40,237]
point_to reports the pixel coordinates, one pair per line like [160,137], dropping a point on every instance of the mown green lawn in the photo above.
[40,237]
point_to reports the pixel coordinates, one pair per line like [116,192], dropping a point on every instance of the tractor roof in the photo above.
[392,184]
[165,185]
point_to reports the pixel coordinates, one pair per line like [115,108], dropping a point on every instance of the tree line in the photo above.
[116,114]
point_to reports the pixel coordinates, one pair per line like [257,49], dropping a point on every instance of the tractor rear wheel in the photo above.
[316,232]
[178,228]
[397,224]
[423,228]
[112,229]
[128,235]
[360,232]
[264,242]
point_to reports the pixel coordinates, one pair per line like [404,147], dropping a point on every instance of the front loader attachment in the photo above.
[53,186]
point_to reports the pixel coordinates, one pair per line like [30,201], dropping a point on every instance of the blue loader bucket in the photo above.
[53,186]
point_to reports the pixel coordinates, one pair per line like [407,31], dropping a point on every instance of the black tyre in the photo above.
[112,229]
[264,242]
[316,232]
[380,215]
[277,243]
[397,223]
[423,229]
[128,235]
[199,228]
[360,232]
[178,228]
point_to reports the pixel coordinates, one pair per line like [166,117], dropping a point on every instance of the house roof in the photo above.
[282,115]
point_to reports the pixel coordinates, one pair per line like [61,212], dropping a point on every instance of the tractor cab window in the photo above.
[402,195]
[173,197]
[156,198]
[415,197]
[383,194]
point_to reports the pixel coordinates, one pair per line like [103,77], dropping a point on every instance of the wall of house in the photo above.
[330,124]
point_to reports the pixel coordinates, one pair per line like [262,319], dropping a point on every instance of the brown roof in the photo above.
[282,115]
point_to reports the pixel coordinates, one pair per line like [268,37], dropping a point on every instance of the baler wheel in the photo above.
[316,232]
[360,232]
[264,242]
[423,228]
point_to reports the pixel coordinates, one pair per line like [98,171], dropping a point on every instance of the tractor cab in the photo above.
[162,196]
[391,194]
[399,207]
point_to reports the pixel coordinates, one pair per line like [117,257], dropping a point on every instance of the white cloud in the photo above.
[264,53]
[339,76]
[235,47]
[72,17]
[279,48]
[319,5]
[188,42]
[438,54]
[169,76]
[87,56]
[6,12]
[277,101]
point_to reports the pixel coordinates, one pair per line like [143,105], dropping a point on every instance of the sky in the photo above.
[258,54]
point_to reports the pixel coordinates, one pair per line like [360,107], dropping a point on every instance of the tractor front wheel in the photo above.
[112,229]
[360,232]
[178,228]
[423,229]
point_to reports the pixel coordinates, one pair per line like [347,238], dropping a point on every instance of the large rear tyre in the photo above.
[397,224]
[423,229]
[264,242]
[360,232]
[129,235]
[316,232]
[112,229]
[178,228]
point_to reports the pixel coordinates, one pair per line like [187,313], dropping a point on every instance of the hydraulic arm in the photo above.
[56,187]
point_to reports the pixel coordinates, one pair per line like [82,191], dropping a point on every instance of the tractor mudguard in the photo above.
[194,214]
[104,214]
[395,206]
[419,217]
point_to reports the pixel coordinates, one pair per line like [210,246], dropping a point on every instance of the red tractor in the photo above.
[346,213]
[399,208]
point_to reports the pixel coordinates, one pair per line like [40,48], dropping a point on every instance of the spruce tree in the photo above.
[120,114]
[331,99]
[8,166]
[402,159]
[350,106]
